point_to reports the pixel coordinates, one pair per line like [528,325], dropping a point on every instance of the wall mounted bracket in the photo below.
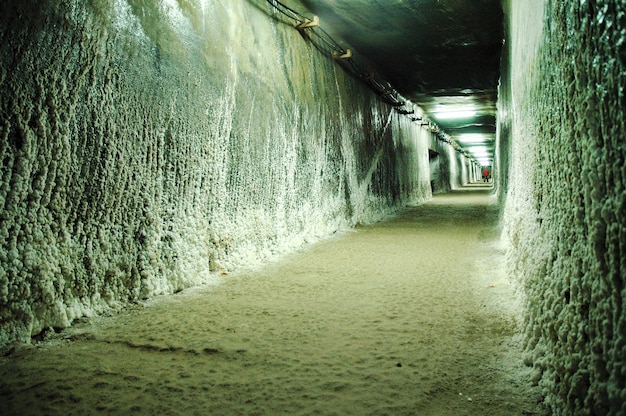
[309,23]
[347,54]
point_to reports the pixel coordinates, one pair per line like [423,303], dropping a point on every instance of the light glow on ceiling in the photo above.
[472,138]
[456,114]
[478,149]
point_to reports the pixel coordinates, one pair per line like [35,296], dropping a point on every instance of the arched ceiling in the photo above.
[440,54]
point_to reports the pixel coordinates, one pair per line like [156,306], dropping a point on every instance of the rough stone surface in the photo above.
[566,201]
[443,163]
[151,146]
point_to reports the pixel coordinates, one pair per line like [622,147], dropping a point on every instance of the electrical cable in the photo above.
[325,43]
[329,46]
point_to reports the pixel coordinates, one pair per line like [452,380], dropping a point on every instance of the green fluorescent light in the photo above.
[450,115]
[472,138]
[476,149]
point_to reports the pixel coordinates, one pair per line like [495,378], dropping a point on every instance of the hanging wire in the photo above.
[325,43]
[290,13]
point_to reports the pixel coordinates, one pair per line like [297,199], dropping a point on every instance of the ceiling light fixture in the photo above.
[475,149]
[450,115]
[472,138]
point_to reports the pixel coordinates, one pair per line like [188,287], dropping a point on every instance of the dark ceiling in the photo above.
[436,53]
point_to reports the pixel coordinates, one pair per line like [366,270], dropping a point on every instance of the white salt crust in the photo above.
[566,201]
[149,149]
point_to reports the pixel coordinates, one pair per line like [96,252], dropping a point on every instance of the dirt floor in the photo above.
[411,316]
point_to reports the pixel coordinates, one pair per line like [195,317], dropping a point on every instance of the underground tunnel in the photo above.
[312,207]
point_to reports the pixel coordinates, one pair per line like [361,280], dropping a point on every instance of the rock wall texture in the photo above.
[442,161]
[566,204]
[150,146]
[462,169]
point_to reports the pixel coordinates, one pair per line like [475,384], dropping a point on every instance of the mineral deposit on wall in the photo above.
[567,198]
[148,146]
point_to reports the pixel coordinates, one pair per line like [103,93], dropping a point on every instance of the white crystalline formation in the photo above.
[147,150]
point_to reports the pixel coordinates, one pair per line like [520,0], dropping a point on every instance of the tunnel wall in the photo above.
[566,198]
[460,169]
[442,166]
[152,146]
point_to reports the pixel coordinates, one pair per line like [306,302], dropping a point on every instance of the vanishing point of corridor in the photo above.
[410,316]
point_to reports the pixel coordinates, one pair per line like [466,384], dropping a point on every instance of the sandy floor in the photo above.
[413,316]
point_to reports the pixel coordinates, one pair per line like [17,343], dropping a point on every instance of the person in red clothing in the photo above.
[485,175]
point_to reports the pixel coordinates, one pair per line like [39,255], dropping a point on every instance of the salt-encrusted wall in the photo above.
[440,161]
[449,169]
[460,167]
[565,211]
[148,146]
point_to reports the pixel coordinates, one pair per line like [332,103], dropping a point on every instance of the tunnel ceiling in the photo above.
[436,53]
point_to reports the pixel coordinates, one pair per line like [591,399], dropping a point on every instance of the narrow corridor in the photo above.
[411,316]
